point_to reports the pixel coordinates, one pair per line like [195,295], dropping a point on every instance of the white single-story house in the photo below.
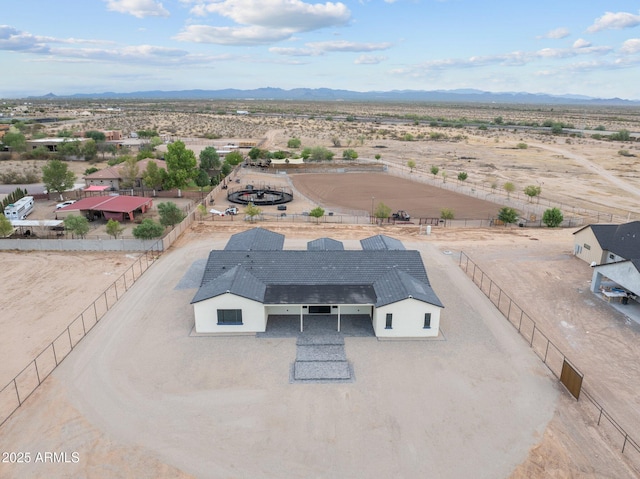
[254,281]
[614,253]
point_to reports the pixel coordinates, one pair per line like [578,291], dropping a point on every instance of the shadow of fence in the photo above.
[549,353]
[24,384]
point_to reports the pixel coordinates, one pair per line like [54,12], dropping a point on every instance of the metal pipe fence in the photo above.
[546,350]
[24,384]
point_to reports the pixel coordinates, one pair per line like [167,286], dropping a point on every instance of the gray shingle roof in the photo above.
[236,280]
[325,244]
[625,240]
[381,242]
[309,276]
[256,239]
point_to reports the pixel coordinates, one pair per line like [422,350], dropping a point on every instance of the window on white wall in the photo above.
[427,320]
[389,323]
[229,316]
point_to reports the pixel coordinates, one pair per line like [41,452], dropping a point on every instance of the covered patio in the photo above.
[288,325]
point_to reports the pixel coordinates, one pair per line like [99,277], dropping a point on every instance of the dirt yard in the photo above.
[140,397]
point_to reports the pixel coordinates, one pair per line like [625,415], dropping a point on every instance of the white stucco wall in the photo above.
[206,315]
[408,320]
[285,309]
[625,274]
[355,309]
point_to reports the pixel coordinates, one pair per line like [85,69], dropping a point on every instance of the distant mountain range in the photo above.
[328,94]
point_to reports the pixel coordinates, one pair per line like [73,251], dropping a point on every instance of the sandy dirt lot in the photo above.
[140,397]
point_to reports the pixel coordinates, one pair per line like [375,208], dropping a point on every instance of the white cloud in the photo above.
[345,46]
[16,40]
[581,43]
[138,8]
[292,15]
[631,46]
[253,35]
[369,60]
[295,52]
[556,34]
[615,21]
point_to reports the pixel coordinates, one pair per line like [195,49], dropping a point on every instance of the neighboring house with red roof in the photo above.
[110,207]
[113,176]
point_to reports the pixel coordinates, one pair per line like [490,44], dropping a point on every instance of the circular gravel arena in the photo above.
[359,191]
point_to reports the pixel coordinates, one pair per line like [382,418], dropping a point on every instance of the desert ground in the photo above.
[141,396]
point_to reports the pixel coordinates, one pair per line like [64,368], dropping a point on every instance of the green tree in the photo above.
[382,212]
[434,170]
[349,154]
[556,128]
[15,141]
[114,228]
[155,141]
[254,153]
[202,179]
[508,215]
[447,214]
[532,191]
[317,153]
[252,211]
[317,213]
[522,146]
[78,225]
[181,165]
[294,143]
[226,169]
[105,148]
[622,135]
[95,135]
[378,156]
[170,214]
[5,226]
[462,176]
[57,177]
[209,159]
[69,148]
[234,158]
[552,217]
[129,172]
[148,229]
[498,120]
[153,176]
[411,164]
[88,171]
[509,188]
[89,150]
[202,210]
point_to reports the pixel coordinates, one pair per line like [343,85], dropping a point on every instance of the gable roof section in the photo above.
[237,281]
[112,204]
[325,244]
[625,240]
[396,285]
[320,294]
[316,267]
[255,239]
[381,242]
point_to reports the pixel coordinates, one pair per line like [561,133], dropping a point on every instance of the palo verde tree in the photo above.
[252,211]
[77,225]
[552,217]
[382,212]
[509,188]
[57,177]
[532,191]
[411,164]
[317,213]
[508,215]
[349,154]
[447,214]
[181,165]
[294,143]
[129,172]
[170,214]
[114,228]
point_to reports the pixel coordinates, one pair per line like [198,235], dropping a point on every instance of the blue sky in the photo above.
[91,46]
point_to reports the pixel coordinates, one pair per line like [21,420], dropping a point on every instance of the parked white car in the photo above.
[65,203]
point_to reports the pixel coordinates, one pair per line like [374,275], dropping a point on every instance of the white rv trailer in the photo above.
[20,209]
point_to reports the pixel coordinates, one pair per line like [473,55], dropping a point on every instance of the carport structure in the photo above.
[111,207]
